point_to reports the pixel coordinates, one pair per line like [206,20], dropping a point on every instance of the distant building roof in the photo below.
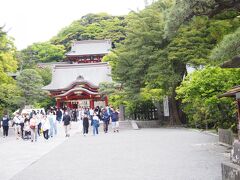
[90,47]
[65,75]
[50,64]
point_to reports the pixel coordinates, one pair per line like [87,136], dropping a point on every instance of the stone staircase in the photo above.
[125,125]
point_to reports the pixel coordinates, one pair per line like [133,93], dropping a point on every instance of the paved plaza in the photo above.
[146,154]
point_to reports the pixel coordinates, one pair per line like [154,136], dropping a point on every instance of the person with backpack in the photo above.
[5,125]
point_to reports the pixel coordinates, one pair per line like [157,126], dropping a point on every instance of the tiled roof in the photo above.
[65,75]
[90,47]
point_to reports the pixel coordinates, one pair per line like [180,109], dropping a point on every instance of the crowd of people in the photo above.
[29,126]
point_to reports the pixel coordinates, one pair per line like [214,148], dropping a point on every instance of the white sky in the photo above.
[31,21]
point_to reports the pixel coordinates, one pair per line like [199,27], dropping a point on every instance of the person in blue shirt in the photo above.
[105,119]
[114,120]
[5,125]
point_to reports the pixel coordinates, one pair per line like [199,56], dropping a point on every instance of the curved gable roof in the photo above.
[90,47]
[64,76]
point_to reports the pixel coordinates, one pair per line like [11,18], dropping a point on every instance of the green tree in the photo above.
[199,94]
[46,101]
[46,74]
[228,48]
[9,93]
[41,53]
[184,10]
[92,26]
[30,82]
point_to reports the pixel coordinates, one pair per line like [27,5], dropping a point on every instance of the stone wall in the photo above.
[149,124]
[225,136]
[230,171]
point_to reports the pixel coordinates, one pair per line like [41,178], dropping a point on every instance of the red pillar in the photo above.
[106,101]
[69,105]
[92,103]
[58,103]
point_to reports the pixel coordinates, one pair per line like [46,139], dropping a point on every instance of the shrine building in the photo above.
[76,83]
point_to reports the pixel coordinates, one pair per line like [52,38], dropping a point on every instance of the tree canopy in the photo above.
[152,58]
[92,26]
[9,93]
[30,83]
[41,53]
[228,48]
[199,95]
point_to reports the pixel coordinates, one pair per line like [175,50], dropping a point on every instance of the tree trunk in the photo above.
[174,111]
[177,116]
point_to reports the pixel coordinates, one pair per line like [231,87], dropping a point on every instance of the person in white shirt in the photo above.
[91,112]
[16,124]
[95,124]
[45,127]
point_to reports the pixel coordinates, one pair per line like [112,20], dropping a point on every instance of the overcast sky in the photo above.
[31,21]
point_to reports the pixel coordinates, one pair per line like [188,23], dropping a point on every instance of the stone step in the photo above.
[134,125]
[125,125]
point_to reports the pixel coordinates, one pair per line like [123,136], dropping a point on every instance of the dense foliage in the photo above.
[228,48]
[92,26]
[30,83]
[199,94]
[10,96]
[41,53]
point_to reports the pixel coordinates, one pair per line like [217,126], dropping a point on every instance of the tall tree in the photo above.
[228,48]
[9,93]
[185,10]
[92,26]
[147,60]
[30,82]
[41,53]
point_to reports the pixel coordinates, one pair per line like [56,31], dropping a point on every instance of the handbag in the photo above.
[32,127]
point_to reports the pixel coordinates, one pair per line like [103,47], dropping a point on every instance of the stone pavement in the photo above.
[16,155]
[146,154]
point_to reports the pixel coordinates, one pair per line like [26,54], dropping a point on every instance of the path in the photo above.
[146,154]
[16,155]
